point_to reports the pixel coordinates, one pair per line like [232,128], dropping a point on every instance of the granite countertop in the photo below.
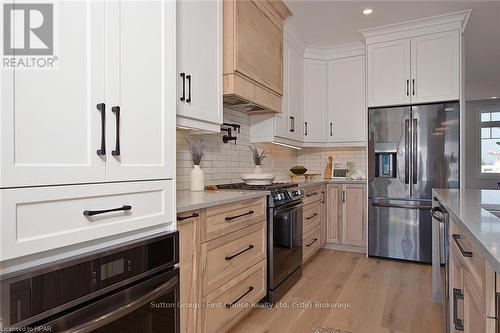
[468,208]
[187,200]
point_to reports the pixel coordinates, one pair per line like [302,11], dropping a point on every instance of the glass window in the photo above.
[490,142]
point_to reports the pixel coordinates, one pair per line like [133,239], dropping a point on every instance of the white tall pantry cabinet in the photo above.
[105,114]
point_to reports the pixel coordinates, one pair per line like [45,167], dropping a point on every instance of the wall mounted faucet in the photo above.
[229,128]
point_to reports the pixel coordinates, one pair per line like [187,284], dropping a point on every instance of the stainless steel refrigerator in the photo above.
[411,150]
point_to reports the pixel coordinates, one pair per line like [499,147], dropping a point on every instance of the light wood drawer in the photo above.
[224,219]
[311,243]
[45,218]
[313,194]
[228,256]
[226,305]
[467,253]
[311,216]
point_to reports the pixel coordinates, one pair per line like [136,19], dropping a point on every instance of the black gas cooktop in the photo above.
[243,186]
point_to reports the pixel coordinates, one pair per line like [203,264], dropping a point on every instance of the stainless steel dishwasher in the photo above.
[440,260]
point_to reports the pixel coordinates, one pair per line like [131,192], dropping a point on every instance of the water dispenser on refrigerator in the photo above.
[385,160]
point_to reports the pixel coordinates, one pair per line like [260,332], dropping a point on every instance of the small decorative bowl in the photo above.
[298,170]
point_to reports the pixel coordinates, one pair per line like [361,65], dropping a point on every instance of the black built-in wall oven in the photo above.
[129,288]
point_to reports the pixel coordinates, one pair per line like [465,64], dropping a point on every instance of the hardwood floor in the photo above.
[378,296]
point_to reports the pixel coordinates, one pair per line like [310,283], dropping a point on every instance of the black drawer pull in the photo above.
[229,218]
[241,252]
[310,195]
[182,218]
[97,212]
[459,324]
[229,305]
[116,111]
[314,241]
[101,107]
[313,215]
[456,238]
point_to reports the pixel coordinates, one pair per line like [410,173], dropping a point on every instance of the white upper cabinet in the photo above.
[346,101]
[389,73]
[50,125]
[199,65]
[292,94]
[315,100]
[435,67]
[141,58]
[415,62]
[110,55]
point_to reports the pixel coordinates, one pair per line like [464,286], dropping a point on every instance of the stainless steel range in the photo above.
[284,235]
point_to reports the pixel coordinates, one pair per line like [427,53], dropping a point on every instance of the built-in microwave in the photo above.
[130,288]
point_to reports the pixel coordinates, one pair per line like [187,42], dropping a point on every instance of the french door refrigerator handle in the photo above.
[414,151]
[407,151]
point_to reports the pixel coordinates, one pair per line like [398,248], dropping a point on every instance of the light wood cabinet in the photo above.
[421,69]
[253,54]
[346,215]
[472,286]
[223,261]
[313,221]
[199,78]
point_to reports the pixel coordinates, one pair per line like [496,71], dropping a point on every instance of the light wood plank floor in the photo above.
[382,295]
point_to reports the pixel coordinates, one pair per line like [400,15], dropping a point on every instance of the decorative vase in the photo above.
[197,178]
[257,169]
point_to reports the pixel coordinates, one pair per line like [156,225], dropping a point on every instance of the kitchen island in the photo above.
[473,257]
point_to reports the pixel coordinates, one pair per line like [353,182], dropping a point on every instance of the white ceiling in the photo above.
[330,23]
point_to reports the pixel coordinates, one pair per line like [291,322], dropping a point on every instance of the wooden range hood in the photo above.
[253,54]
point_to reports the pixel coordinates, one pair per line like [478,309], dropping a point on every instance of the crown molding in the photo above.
[445,22]
[335,52]
[292,39]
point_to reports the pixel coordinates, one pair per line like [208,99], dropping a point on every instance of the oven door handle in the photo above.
[131,305]
[287,208]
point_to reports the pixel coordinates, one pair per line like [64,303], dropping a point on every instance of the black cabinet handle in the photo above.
[413,84]
[241,252]
[310,195]
[229,305]
[456,238]
[343,196]
[188,77]
[292,124]
[497,312]
[97,212]
[183,97]
[229,218]
[305,130]
[314,241]
[407,87]
[459,324]
[182,218]
[313,215]
[101,107]
[331,129]
[116,111]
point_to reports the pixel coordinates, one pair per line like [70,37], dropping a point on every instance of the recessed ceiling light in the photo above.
[494,97]
[367,11]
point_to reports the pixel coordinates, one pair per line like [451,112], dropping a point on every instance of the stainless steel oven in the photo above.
[284,242]
[130,288]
